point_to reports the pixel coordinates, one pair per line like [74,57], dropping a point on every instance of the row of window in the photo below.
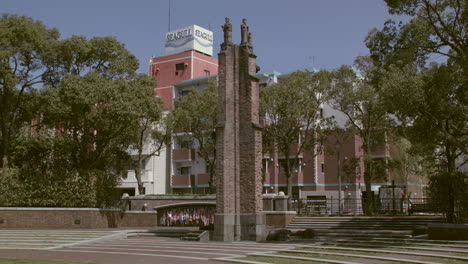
[295,167]
[181,67]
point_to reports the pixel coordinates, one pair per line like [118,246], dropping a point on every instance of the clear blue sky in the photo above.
[287,34]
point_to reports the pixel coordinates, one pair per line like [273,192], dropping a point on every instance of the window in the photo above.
[184,142]
[184,170]
[208,168]
[134,164]
[293,164]
[207,73]
[322,167]
[264,166]
[179,67]
[124,174]
[184,93]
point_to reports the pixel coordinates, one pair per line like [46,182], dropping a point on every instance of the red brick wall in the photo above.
[73,218]
[164,70]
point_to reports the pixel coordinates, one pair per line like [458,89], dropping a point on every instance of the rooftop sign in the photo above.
[189,38]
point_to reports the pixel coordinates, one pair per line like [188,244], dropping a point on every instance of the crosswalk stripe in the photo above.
[156,250]
[160,247]
[126,253]
[211,245]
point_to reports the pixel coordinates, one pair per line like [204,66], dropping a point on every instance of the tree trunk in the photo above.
[212,188]
[5,143]
[288,179]
[451,217]
[369,205]
[138,172]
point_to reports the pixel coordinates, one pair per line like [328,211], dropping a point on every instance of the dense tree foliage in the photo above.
[292,118]
[24,44]
[428,98]
[355,94]
[70,111]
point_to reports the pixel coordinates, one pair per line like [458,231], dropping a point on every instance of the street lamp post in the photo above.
[337,146]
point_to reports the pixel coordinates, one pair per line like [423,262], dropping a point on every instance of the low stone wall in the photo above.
[279,219]
[448,231]
[137,203]
[139,219]
[19,217]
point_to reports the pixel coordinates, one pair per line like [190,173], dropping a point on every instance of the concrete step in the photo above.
[351,231]
[358,223]
[366,221]
[362,236]
[159,233]
[367,227]
[362,227]
[192,236]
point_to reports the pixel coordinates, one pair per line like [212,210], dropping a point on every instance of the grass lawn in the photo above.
[38,261]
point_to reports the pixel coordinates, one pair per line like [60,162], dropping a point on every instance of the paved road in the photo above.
[107,247]
[113,247]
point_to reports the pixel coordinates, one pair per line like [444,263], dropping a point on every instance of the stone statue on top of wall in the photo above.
[244,32]
[227,28]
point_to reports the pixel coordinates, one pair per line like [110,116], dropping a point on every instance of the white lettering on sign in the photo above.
[189,38]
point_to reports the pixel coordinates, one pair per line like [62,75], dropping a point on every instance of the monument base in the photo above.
[250,227]
[224,227]
[253,227]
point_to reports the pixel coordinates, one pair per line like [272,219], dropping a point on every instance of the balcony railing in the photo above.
[183,181]
[131,176]
[183,154]
[203,180]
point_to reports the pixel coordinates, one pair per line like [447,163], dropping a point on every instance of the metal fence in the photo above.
[349,206]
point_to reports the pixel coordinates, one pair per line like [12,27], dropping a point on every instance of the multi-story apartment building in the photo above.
[188,55]
[178,169]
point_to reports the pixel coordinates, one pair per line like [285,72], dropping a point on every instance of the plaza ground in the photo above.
[114,247]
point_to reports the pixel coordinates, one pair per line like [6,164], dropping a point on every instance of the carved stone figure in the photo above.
[249,43]
[244,31]
[227,28]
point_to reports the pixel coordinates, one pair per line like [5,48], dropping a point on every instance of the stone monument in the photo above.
[239,141]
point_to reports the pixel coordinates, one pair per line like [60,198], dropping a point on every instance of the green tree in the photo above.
[97,118]
[24,43]
[429,99]
[292,118]
[195,115]
[435,27]
[152,130]
[435,121]
[67,142]
[354,94]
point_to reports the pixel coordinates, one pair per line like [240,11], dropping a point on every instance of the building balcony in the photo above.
[297,178]
[183,181]
[183,154]
[293,150]
[203,180]
[381,151]
[129,176]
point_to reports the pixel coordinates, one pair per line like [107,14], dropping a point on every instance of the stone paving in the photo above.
[114,247]
[419,251]
[51,239]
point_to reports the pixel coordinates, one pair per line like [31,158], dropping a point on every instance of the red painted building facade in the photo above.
[175,68]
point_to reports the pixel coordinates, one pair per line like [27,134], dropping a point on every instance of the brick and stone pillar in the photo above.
[239,141]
